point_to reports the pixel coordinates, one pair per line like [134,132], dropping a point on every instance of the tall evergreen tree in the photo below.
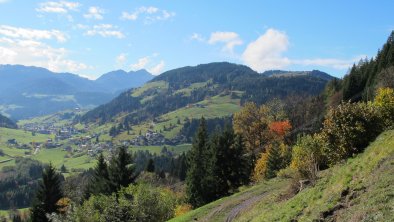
[121,169]
[231,165]
[182,167]
[199,172]
[274,161]
[241,163]
[150,167]
[100,183]
[48,194]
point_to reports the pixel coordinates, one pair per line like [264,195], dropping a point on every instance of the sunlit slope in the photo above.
[362,189]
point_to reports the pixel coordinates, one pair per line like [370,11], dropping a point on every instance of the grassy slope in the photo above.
[362,189]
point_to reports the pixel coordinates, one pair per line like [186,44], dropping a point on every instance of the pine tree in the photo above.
[274,161]
[121,170]
[100,183]
[198,174]
[182,167]
[231,166]
[150,167]
[241,163]
[48,194]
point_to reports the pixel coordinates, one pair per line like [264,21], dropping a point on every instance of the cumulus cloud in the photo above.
[94,13]
[35,53]
[229,39]
[27,47]
[149,14]
[140,64]
[121,59]
[266,52]
[147,63]
[58,7]
[105,30]
[36,34]
[157,69]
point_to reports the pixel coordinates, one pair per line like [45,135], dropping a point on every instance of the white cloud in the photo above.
[121,59]
[146,63]
[26,46]
[34,53]
[4,1]
[140,64]
[36,34]
[330,62]
[265,53]
[58,7]
[105,30]
[230,40]
[149,14]
[157,69]
[94,13]
[197,37]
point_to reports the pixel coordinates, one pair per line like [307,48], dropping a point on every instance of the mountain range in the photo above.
[32,91]
[213,90]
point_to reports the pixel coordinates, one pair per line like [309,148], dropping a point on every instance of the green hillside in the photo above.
[178,88]
[362,189]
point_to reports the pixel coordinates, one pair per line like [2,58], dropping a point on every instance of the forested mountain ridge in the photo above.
[180,87]
[32,91]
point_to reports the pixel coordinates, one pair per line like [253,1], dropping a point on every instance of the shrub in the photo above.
[348,129]
[384,101]
[135,203]
[182,209]
[308,157]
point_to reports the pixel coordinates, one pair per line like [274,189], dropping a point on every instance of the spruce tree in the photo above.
[48,194]
[182,167]
[274,161]
[150,167]
[121,170]
[100,183]
[241,164]
[198,174]
[231,166]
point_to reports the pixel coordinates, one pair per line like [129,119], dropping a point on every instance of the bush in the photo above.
[308,157]
[182,209]
[384,101]
[348,129]
[135,203]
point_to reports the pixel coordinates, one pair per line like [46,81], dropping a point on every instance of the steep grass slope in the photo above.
[362,189]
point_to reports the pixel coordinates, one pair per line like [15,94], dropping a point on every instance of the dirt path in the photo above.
[243,202]
[242,206]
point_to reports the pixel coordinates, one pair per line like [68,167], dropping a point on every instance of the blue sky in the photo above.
[93,37]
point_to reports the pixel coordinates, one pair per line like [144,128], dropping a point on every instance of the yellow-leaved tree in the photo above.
[384,101]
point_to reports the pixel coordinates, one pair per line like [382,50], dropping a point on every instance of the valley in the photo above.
[207,111]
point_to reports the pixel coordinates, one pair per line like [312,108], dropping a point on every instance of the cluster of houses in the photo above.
[61,132]
[152,138]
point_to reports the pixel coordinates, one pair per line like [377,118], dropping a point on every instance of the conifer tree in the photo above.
[274,161]
[198,174]
[48,194]
[121,169]
[150,167]
[182,167]
[100,184]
